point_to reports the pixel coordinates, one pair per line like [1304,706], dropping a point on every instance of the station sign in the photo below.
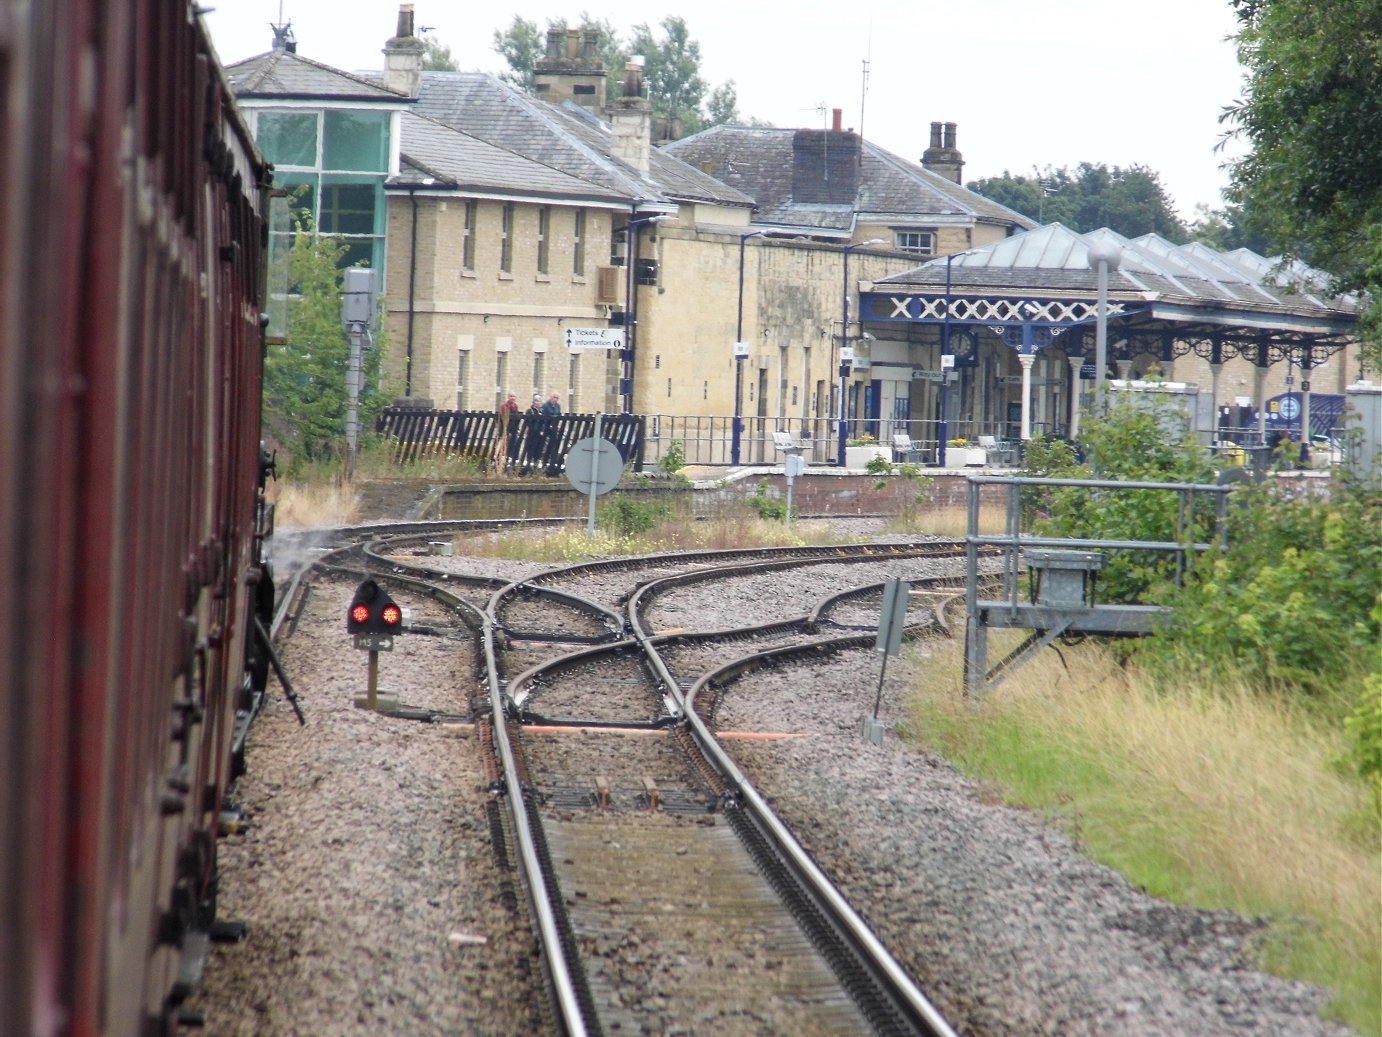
[594,338]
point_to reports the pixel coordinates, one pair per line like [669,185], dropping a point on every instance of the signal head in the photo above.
[372,611]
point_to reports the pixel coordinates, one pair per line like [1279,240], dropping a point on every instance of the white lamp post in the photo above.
[740,352]
[1103,257]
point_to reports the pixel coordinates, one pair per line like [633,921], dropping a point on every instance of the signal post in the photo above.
[373,620]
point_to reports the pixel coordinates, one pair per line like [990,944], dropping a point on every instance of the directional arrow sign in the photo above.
[594,338]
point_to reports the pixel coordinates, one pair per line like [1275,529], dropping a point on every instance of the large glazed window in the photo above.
[288,138]
[356,141]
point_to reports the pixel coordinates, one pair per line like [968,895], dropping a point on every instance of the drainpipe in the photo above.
[412,310]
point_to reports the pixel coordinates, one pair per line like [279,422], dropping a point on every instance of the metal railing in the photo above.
[708,439]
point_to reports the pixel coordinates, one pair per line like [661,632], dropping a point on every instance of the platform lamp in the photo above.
[1103,257]
[741,353]
[844,344]
[631,306]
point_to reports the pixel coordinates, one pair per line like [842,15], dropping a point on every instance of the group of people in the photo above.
[529,434]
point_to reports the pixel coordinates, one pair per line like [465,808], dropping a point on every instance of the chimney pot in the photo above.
[935,135]
[838,122]
[405,21]
[949,135]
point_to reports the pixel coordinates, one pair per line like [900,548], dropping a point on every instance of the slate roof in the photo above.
[1170,279]
[565,138]
[281,75]
[459,161]
[760,162]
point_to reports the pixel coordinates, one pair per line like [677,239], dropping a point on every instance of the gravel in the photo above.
[376,902]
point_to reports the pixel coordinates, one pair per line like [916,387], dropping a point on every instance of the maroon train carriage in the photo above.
[132,228]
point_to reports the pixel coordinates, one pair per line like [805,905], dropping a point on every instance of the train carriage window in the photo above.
[288,138]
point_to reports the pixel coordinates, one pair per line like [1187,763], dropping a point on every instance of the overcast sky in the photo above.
[1029,83]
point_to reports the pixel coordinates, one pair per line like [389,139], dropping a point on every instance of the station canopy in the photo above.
[1039,289]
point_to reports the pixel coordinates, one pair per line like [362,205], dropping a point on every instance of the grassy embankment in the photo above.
[1212,797]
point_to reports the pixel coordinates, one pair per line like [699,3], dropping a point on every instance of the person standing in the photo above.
[551,411]
[506,434]
[532,434]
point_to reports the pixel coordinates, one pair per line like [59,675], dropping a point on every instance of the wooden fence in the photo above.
[533,444]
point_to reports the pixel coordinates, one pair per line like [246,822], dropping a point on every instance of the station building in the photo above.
[732,267]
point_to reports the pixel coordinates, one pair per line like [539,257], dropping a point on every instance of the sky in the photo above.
[1030,84]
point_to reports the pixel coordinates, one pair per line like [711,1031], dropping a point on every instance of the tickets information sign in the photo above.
[594,338]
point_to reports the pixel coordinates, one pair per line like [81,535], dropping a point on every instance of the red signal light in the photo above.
[372,611]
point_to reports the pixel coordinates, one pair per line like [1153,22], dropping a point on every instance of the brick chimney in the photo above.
[631,120]
[825,164]
[571,70]
[943,157]
[403,56]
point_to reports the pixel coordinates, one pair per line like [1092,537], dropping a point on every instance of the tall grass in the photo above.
[1216,797]
[571,543]
[299,505]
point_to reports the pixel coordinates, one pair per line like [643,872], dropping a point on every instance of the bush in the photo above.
[766,507]
[879,466]
[624,516]
[674,460]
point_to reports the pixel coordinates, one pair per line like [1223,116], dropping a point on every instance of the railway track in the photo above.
[663,890]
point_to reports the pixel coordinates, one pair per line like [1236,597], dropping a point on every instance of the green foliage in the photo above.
[674,459]
[1293,603]
[520,45]
[625,517]
[305,395]
[1130,201]
[1364,730]
[1141,440]
[1234,226]
[671,71]
[1311,115]
[773,509]
[879,466]
[437,57]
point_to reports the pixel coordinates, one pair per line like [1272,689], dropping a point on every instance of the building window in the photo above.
[468,243]
[501,378]
[544,235]
[506,240]
[917,242]
[333,164]
[540,373]
[573,389]
[462,376]
[578,245]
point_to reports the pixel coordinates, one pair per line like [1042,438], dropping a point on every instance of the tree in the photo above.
[305,375]
[671,68]
[672,72]
[1130,201]
[437,57]
[1231,227]
[521,45]
[1311,115]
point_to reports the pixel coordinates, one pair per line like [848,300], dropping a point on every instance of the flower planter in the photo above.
[975,457]
[860,456]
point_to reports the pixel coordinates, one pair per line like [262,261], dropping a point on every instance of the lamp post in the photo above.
[844,344]
[1103,257]
[740,353]
[631,307]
